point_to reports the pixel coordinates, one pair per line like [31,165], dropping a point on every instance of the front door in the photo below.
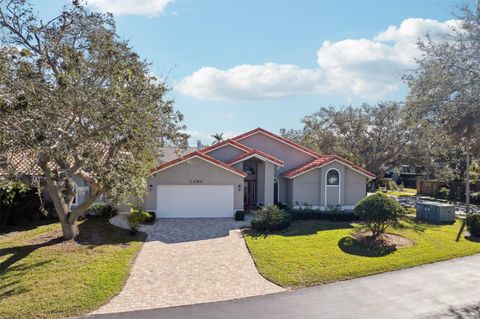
[250,195]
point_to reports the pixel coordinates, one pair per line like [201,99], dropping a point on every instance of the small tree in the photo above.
[379,212]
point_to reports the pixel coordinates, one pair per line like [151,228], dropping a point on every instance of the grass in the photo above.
[314,251]
[407,192]
[43,277]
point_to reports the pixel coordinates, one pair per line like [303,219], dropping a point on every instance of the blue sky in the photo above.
[237,65]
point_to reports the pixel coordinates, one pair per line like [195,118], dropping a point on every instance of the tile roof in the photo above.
[252,153]
[201,155]
[171,153]
[226,142]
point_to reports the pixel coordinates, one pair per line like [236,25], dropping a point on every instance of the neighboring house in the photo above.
[406,175]
[255,168]
[26,169]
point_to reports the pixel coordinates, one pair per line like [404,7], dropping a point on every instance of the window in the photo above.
[275,191]
[333,177]
[249,170]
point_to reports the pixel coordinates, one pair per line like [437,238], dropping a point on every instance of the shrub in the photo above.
[135,218]
[392,185]
[473,224]
[152,216]
[239,215]
[19,204]
[379,211]
[444,193]
[475,197]
[103,210]
[401,187]
[271,218]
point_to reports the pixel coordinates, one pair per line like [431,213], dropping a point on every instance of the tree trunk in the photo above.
[467,196]
[70,230]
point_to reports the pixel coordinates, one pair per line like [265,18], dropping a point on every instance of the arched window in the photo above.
[249,170]
[275,191]
[333,177]
[332,188]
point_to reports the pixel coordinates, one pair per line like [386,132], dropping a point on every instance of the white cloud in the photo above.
[249,82]
[365,68]
[149,8]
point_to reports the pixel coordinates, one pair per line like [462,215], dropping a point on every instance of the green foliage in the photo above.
[401,187]
[392,185]
[444,192]
[378,212]
[136,217]
[313,252]
[103,210]
[271,218]
[475,197]
[98,111]
[374,136]
[19,204]
[239,215]
[473,224]
[308,213]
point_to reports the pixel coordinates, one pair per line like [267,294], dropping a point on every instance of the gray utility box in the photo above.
[435,212]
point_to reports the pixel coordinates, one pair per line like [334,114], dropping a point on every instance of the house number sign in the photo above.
[196,181]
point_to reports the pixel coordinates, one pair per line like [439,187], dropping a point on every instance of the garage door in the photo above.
[194,201]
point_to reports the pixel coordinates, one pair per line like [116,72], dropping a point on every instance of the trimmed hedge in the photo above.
[239,215]
[309,213]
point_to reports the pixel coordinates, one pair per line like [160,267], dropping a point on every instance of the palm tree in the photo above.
[218,137]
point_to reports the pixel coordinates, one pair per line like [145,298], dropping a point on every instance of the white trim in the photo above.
[331,186]
[322,208]
[335,160]
[228,143]
[196,156]
[277,139]
[257,156]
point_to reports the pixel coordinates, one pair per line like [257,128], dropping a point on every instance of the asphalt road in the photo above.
[449,289]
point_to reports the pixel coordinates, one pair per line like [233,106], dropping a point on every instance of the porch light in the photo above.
[239,187]
[150,187]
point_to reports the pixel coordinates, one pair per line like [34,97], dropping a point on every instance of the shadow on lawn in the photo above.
[303,228]
[93,232]
[351,246]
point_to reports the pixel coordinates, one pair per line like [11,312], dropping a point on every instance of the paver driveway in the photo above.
[189,261]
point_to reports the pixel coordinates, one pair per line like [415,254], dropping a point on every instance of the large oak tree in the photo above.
[445,88]
[81,102]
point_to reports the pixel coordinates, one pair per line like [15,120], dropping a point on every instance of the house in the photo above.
[406,175]
[252,169]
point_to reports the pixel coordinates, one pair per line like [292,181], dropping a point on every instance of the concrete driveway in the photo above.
[189,261]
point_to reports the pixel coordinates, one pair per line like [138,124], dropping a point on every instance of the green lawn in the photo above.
[313,252]
[43,277]
[406,192]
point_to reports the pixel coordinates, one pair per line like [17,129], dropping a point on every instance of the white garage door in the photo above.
[194,201]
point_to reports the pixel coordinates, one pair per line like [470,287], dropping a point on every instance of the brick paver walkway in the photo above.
[189,261]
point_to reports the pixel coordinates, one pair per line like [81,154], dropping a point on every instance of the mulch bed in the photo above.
[384,240]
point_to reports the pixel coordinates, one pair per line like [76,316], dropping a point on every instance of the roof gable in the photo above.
[278,138]
[200,156]
[297,171]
